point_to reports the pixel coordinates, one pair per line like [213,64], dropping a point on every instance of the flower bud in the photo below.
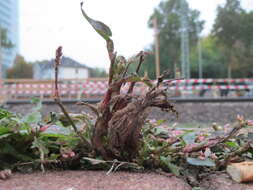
[250,122]
[72,154]
[65,155]
[44,128]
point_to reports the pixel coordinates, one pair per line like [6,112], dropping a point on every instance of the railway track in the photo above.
[176,100]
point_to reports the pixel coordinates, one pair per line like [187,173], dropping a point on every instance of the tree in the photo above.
[233,29]
[98,73]
[168,21]
[244,47]
[212,59]
[227,28]
[5,43]
[20,69]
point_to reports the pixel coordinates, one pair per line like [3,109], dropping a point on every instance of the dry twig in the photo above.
[209,143]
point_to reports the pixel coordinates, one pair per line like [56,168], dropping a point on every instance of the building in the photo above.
[9,20]
[69,69]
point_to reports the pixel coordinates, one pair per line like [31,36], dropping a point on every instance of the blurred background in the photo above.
[194,39]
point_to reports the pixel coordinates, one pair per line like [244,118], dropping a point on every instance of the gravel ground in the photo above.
[188,112]
[92,180]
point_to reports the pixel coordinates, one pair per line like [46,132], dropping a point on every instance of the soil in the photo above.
[92,180]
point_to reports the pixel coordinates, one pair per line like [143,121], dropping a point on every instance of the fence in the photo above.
[92,87]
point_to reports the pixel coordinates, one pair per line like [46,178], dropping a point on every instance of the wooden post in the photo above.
[157,57]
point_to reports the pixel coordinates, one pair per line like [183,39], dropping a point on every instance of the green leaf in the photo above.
[189,138]
[136,78]
[197,162]
[172,167]
[5,135]
[4,130]
[161,132]
[54,156]
[34,117]
[94,161]
[100,27]
[4,113]
[161,121]
[56,135]
[14,151]
[40,145]
[38,104]
[250,136]
[232,144]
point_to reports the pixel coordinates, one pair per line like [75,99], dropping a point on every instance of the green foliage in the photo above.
[28,139]
[227,22]
[32,141]
[4,40]
[232,30]
[157,151]
[21,69]
[229,45]
[213,62]
[98,73]
[172,167]
[168,19]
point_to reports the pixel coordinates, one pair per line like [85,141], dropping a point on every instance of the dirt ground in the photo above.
[92,180]
[223,182]
[99,180]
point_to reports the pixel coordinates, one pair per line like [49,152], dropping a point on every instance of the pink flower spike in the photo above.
[176,133]
[213,156]
[153,121]
[201,157]
[72,154]
[44,128]
[226,125]
[250,122]
[201,138]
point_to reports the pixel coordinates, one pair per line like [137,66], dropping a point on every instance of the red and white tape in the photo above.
[89,87]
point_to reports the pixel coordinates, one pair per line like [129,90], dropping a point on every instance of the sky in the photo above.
[47,24]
